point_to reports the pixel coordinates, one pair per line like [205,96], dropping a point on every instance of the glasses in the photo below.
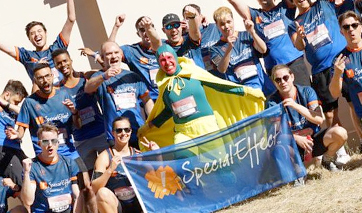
[47,142]
[41,78]
[279,80]
[126,130]
[347,26]
[172,25]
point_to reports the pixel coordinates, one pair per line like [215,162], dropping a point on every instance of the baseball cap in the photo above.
[170,18]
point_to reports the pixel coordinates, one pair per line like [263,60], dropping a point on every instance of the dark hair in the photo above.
[40,66]
[31,25]
[138,21]
[358,6]
[279,67]
[120,118]
[346,15]
[194,6]
[46,127]
[16,87]
[59,51]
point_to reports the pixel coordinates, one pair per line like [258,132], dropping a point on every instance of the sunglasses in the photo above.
[47,142]
[279,80]
[347,26]
[173,25]
[126,130]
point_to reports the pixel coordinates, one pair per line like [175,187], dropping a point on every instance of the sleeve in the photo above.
[23,116]
[141,87]
[22,55]
[127,54]
[74,170]
[292,29]
[312,98]
[162,117]
[215,55]
[225,88]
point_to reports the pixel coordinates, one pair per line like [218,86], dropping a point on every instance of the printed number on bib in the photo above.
[87,115]
[184,107]
[246,70]
[60,203]
[124,100]
[274,29]
[319,37]
[125,193]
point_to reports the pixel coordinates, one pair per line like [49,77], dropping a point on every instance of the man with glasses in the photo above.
[48,105]
[305,117]
[50,179]
[348,64]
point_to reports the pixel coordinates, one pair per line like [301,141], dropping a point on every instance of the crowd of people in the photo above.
[83,123]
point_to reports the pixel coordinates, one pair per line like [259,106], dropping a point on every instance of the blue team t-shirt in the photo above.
[272,27]
[30,58]
[5,193]
[323,38]
[244,66]
[120,96]
[88,111]
[7,119]
[37,110]
[53,184]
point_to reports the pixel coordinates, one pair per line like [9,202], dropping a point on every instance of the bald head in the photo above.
[111,54]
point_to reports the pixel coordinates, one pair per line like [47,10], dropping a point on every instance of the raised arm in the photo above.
[225,60]
[335,86]
[28,188]
[241,8]
[192,17]
[118,23]
[258,44]
[10,50]
[68,26]
[298,37]
[155,39]
[94,82]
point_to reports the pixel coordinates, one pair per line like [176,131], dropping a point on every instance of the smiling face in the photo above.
[351,29]
[302,5]
[111,55]
[38,37]
[167,63]
[64,64]
[174,34]
[44,79]
[49,149]
[122,132]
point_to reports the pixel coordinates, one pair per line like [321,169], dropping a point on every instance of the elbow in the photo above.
[221,70]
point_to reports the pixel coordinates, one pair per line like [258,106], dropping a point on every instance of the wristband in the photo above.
[95,54]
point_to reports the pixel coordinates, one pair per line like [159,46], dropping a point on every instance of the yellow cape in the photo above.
[228,108]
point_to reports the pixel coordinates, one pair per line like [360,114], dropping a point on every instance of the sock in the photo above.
[341,151]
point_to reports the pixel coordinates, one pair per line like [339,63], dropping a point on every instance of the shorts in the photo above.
[300,71]
[320,83]
[11,164]
[133,207]
[318,145]
[88,149]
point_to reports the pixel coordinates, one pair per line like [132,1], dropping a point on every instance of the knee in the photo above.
[339,133]
[104,195]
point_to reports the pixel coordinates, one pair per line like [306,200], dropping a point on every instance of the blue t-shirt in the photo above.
[306,97]
[244,66]
[120,96]
[143,62]
[5,193]
[37,110]
[7,119]
[53,183]
[352,76]
[190,49]
[323,38]
[88,110]
[272,27]
[30,58]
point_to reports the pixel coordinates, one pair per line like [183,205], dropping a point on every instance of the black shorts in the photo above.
[345,92]
[300,71]
[133,207]
[318,146]
[320,83]
[11,164]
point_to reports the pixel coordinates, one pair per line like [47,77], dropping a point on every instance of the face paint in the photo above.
[167,63]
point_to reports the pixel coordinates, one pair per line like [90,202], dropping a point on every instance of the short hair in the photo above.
[221,12]
[279,67]
[31,25]
[59,51]
[138,21]
[347,15]
[40,66]
[120,118]
[46,127]
[109,42]
[197,7]
[16,87]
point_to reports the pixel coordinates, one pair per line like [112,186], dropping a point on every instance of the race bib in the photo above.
[153,74]
[319,37]
[304,132]
[62,136]
[184,107]
[124,100]
[60,203]
[125,193]
[87,115]
[246,70]
[275,29]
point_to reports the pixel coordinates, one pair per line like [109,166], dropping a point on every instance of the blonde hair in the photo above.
[221,13]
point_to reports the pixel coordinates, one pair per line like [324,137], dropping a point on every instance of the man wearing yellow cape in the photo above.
[193,102]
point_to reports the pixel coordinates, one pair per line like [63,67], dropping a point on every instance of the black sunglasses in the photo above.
[173,25]
[47,142]
[126,130]
[347,26]
[279,80]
